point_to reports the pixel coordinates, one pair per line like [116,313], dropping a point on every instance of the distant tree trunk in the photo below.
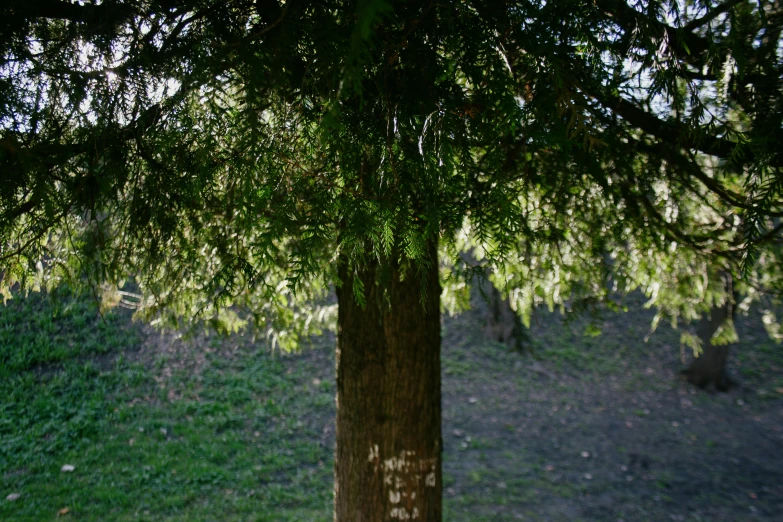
[388,457]
[502,324]
[709,368]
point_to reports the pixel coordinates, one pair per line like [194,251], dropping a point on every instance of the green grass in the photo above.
[227,442]
[224,430]
[36,331]
[759,361]
[571,350]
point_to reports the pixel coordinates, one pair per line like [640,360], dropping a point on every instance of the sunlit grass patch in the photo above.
[38,331]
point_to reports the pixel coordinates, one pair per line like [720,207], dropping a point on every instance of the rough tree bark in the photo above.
[388,457]
[709,368]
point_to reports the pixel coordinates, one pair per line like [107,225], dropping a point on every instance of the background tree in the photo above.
[253,152]
[684,285]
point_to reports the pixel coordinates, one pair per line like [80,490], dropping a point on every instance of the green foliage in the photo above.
[689,340]
[216,153]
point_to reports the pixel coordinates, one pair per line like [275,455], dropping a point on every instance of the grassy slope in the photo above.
[234,440]
[218,429]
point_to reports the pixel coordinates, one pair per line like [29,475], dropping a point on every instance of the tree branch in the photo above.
[711,15]
[685,44]
[98,15]
[671,132]
[52,154]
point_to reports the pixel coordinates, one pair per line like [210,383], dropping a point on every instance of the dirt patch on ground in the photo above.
[602,428]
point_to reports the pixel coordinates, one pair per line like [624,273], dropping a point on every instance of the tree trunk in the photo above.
[388,457]
[502,322]
[709,368]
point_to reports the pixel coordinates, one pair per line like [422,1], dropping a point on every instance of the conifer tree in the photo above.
[246,154]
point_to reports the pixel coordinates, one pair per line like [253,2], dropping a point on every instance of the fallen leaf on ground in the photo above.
[63,511]
[67,468]
[13,496]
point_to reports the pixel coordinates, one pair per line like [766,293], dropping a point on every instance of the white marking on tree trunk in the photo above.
[403,475]
[373,453]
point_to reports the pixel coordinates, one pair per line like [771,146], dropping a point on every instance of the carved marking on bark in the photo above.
[403,475]
[374,455]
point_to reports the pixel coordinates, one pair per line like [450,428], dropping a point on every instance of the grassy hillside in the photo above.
[585,428]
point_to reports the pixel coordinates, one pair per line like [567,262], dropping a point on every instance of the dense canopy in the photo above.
[221,146]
